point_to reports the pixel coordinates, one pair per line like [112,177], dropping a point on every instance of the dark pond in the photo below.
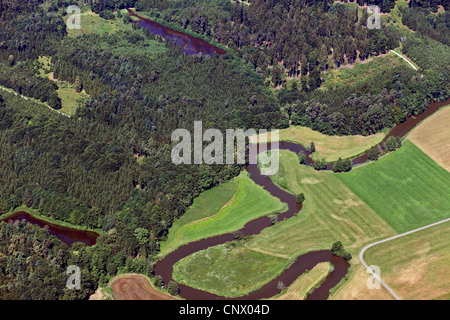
[189,44]
[67,235]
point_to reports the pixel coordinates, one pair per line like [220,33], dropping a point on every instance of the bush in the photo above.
[342,165]
[338,249]
[320,164]
[173,288]
[300,197]
[373,154]
[106,14]
[301,157]
[158,281]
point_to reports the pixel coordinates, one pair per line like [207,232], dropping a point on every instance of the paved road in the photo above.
[389,239]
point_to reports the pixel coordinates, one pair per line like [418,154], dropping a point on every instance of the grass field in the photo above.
[300,288]
[206,205]
[229,269]
[355,288]
[349,74]
[92,23]
[331,212]
[250,202]
[416,266]
[407,188]
[432,136]
[328,147]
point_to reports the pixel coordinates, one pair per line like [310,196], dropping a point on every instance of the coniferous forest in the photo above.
[108,167]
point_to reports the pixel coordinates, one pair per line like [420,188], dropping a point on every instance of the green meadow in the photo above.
[250,202]
[230,269]
[331,212]
[93,23]
[207,204]
[406,188]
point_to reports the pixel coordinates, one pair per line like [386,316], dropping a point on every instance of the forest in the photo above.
[109,166]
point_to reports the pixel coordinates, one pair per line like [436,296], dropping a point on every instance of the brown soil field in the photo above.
[432,136]
[136,287]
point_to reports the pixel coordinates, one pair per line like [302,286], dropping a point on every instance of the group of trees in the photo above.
[433,25]
[30,258]
[27,29]
[23,80]
[342,165]
[338,249]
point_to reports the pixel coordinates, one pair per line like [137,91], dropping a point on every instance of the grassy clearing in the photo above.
[70,98]
[250,202]
[92,23]
[300,288]
[331,212]
[348,75]
[229,269]
[432,136]
[407,188]
[329,147]
[206,205]
[421,270]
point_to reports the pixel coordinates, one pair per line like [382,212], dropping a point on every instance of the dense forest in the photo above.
[109,166]
[299,39]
